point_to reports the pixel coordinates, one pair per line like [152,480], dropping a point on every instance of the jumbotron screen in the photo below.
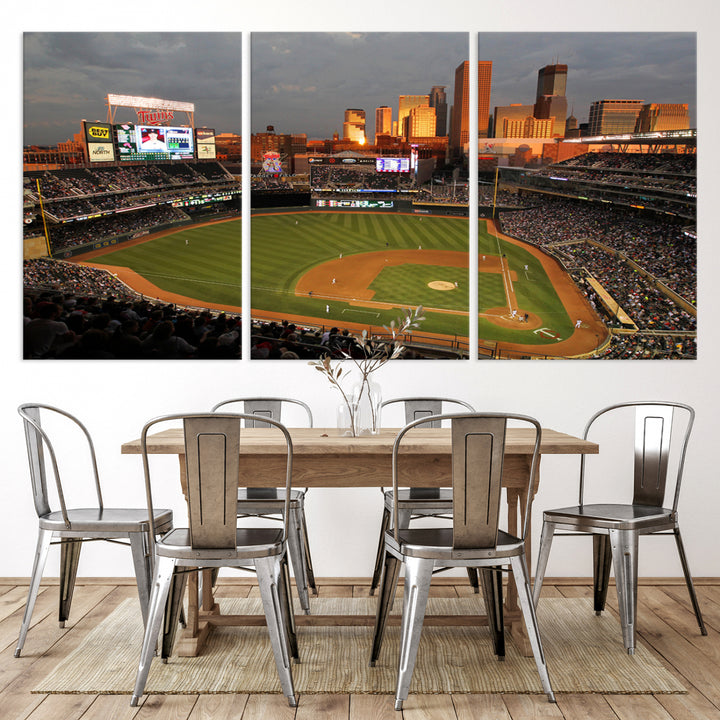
[154,142]
[392,164]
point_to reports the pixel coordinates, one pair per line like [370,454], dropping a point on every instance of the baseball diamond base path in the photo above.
[354,285]
[591,332]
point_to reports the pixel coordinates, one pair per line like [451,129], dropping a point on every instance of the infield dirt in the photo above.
[354,274]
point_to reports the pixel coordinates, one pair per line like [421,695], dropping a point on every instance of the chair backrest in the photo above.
[212,463]
[478,449]
[420,407]
[653,427]
[263,407]
[38,443]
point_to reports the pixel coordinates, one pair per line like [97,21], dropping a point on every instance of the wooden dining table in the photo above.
[323,458]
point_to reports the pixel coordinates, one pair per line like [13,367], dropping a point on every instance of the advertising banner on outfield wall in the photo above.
[99,142]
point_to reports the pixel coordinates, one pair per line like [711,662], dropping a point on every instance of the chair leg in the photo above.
[522,583]
[297,558]
[546,538]
[269,578]
[164,570]
[286,605]
[309,572]
[624,546]
[688,580]
[173,613]
[418,574]
[380,556]
[142,562]
[385,603]
[491,579]
[69,559]
[602,560]
[41,553]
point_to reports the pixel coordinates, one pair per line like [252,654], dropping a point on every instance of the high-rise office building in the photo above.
[354,125]
[552,80]
[613,117]
[655,117]
[510,113]
[421,121]
[529,127]
[460,122]
[383,121]
[438,100]
[550,100]
[405,104]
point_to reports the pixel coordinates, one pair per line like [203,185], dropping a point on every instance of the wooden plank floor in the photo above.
[665,621]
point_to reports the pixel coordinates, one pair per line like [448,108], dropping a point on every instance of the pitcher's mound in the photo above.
[441,285]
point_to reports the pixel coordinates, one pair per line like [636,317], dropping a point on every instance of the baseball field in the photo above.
[355,269]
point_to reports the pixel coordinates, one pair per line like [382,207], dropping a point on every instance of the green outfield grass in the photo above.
[206,267]
[286,245]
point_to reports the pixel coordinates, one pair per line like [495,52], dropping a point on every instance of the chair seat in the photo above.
[421,498]
[267,500]
[611,516]
[436,543]
[107,520]
[250,543]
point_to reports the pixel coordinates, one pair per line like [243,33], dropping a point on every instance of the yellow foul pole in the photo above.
[42,214]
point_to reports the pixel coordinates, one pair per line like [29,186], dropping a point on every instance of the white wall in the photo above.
[115,398]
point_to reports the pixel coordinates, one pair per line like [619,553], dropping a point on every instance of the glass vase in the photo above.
[346,413]
[367,399]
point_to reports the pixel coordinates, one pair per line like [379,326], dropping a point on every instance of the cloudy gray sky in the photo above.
[653,66]
[67,77]
[303,82]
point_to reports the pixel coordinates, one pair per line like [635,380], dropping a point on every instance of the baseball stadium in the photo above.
[138,253]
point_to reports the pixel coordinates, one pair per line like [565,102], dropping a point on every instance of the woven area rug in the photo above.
[584,654]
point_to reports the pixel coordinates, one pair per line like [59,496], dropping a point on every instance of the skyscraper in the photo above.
[509,113]
[460,130]
[663,116]
[405,104]
[550,99]
[354,125]
[383,121]
[552,80]
[438,100]
[613,117]
[421,121]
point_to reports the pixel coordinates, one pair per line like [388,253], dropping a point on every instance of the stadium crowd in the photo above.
[76,312]
[662,249]
[661,182]
[658,246]
[81,233]
[357,178]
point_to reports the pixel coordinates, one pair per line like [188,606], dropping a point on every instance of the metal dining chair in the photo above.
[214,540]
[416,503]
[74,526]
[268,502]
[616,527]
[474,540]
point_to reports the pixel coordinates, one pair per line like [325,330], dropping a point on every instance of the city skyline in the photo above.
[303,82]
